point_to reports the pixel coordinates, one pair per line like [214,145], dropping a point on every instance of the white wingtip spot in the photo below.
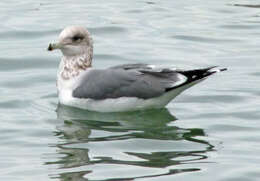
[181,80]
[151,66]
[173,69]
[214,70]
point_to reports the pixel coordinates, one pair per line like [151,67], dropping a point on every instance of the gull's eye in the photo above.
[77,38]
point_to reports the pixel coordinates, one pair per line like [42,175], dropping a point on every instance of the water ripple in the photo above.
[127,141]
[204,39]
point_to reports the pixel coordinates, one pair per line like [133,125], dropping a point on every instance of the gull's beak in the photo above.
[53,46]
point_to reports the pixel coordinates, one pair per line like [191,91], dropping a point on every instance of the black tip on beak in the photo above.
[50,48]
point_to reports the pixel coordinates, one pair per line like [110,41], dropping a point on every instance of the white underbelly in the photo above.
[113,105]
[119,104]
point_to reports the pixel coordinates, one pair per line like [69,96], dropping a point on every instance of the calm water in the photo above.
[210,132]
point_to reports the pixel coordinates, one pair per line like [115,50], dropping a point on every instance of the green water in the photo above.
[210,132]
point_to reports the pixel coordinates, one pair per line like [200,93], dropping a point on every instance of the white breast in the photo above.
[66,86]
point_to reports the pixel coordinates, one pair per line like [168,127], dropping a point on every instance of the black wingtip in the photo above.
[196,75]
[223,69]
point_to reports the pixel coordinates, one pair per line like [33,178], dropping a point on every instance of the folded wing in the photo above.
[132,80]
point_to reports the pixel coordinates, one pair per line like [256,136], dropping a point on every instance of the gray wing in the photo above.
[138,66]
[127,81]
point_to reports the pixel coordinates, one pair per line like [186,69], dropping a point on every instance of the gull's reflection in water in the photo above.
[103,146]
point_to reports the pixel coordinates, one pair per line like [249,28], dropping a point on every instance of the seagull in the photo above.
[127,87]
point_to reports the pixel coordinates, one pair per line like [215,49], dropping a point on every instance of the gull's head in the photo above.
[74,41]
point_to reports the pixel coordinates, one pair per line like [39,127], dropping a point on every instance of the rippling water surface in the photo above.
[210,132]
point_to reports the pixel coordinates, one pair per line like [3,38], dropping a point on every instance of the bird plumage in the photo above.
[120,88]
